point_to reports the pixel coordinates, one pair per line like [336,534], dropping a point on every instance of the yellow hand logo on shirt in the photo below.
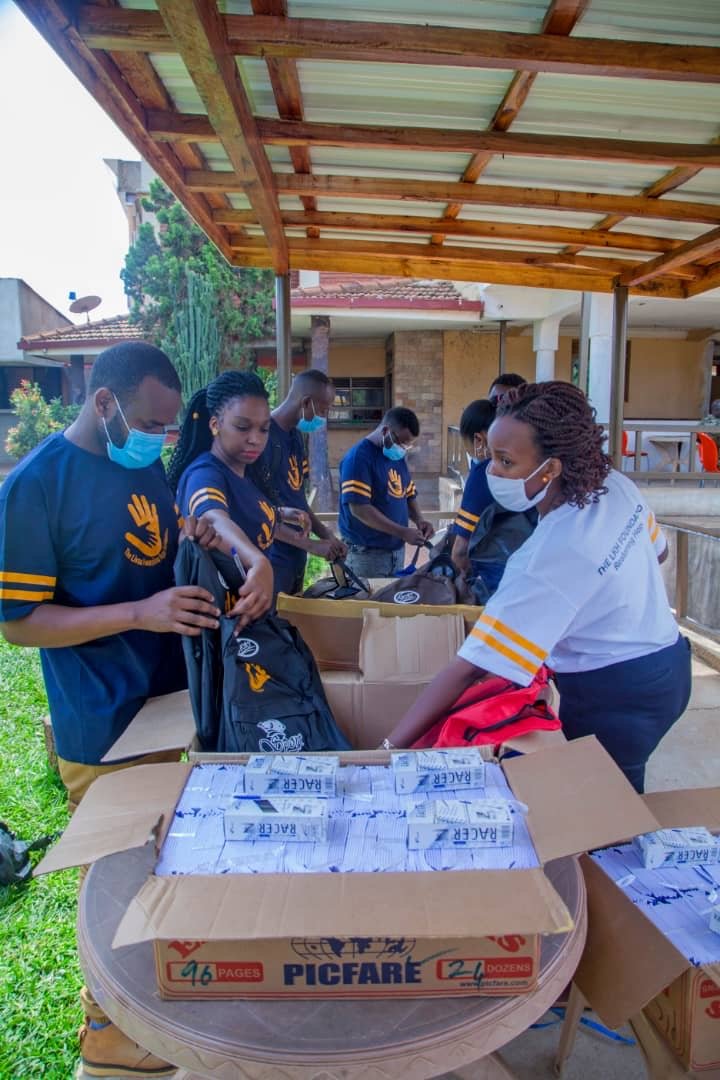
[150,547]
[395,484]
[257,677]
[294,475]
[265,536]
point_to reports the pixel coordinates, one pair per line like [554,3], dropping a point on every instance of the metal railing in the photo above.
[679,442]
[684,602]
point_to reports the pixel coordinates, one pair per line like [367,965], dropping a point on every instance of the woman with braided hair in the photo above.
[584,593]
[225,429]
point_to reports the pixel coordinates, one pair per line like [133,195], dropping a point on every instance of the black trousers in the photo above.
[628,706]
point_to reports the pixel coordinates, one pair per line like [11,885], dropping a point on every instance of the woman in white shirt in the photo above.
[584,593]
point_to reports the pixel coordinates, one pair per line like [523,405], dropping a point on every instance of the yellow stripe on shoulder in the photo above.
[212,494]
[512,635]
[26,579]
[351,489]
[24,594]
[464,525]
[505,650]
[472,518]
[356,483]
[655,533]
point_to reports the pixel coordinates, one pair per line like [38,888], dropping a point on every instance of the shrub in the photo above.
[36,418]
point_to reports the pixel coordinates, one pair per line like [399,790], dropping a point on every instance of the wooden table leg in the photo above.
[573,1012]
[660,1062]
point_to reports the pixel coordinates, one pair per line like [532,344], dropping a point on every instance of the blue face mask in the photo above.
[308,426]
[394,451]
[140,450]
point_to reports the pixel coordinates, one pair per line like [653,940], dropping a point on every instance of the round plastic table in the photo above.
[300,1040]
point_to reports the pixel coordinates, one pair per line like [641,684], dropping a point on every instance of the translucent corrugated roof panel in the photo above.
[596,107]
[410,95]
[173,73]
[692,22]
[399,163]
[705,187]
[569,174]
[522,16]
[379,206]
[515,214]
[673,230]
[256,80]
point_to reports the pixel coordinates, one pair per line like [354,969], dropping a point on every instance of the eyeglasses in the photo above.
[406,446]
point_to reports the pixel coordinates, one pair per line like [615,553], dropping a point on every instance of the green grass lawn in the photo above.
[39,972]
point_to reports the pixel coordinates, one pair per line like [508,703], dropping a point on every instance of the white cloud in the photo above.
[62,226]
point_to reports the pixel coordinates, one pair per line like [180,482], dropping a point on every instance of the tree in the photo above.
[179,285]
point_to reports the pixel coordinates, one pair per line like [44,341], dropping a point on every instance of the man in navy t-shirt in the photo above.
[88,536]
[378,498]
[282,473]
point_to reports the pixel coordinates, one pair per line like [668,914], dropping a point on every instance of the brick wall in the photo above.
[418,385]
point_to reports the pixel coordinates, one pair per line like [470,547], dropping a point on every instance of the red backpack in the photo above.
[492,711]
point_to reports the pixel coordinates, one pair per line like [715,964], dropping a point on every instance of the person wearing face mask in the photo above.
[281,472]
[378,498]
[88,536]
[584,593]
[225,431]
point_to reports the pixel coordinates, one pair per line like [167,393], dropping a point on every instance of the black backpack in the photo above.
[15,867]
[496,536]
[259,692]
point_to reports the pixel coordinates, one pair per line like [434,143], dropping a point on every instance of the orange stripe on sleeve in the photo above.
[26,579]
[518,639]
[505,650]
[24,594]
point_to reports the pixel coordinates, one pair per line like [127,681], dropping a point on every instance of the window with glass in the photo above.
[359,401]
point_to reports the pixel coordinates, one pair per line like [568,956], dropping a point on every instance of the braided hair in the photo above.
[195,437]
[564,427]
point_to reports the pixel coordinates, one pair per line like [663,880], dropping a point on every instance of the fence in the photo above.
[692,574]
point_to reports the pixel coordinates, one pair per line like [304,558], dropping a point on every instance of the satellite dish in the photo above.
[85,305]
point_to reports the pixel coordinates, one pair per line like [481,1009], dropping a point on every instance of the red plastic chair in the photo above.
[708,452]
[631,453]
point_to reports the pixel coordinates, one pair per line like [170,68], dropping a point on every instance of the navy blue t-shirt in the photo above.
[209,484]
[288,479]
[476,498]
[78,530]
[367,476]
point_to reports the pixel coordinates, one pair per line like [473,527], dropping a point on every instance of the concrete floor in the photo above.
[687,757]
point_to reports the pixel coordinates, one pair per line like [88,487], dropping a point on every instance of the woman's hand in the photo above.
[256,595]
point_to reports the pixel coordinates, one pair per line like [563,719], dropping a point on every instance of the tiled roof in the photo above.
[349,291]
[86,335]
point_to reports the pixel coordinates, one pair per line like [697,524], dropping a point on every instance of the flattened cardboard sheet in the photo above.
[578,799]
[163,723]
[463,904]
[626,962]
[120,811]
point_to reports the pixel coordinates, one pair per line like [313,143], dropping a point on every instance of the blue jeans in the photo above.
[375,562]
[628,706]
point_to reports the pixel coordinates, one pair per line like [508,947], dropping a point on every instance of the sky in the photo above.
[62,227]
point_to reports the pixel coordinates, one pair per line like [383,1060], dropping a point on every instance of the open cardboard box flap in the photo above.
[627,960]
[578,799]
[120,811]
[163,723]
[392,647]
[461,904]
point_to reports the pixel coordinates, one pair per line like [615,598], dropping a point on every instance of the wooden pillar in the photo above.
[320,481]
[617,373]
[282,335]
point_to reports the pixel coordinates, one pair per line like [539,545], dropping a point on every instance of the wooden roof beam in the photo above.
[463,227]
[409,189]
[368,258]
[560,18]
[198,35]
[366,136]
[405,43]
[287,92]
[701,246]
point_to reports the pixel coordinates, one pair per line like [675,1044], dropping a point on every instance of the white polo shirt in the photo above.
[584,591]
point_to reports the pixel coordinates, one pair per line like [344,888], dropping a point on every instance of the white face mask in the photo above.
[511,493]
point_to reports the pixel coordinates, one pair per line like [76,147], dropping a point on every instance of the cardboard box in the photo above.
[332,628]
[437,933]
[687,1015]
[628,963]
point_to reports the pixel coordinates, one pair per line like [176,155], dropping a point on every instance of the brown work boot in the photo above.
[107,1052]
